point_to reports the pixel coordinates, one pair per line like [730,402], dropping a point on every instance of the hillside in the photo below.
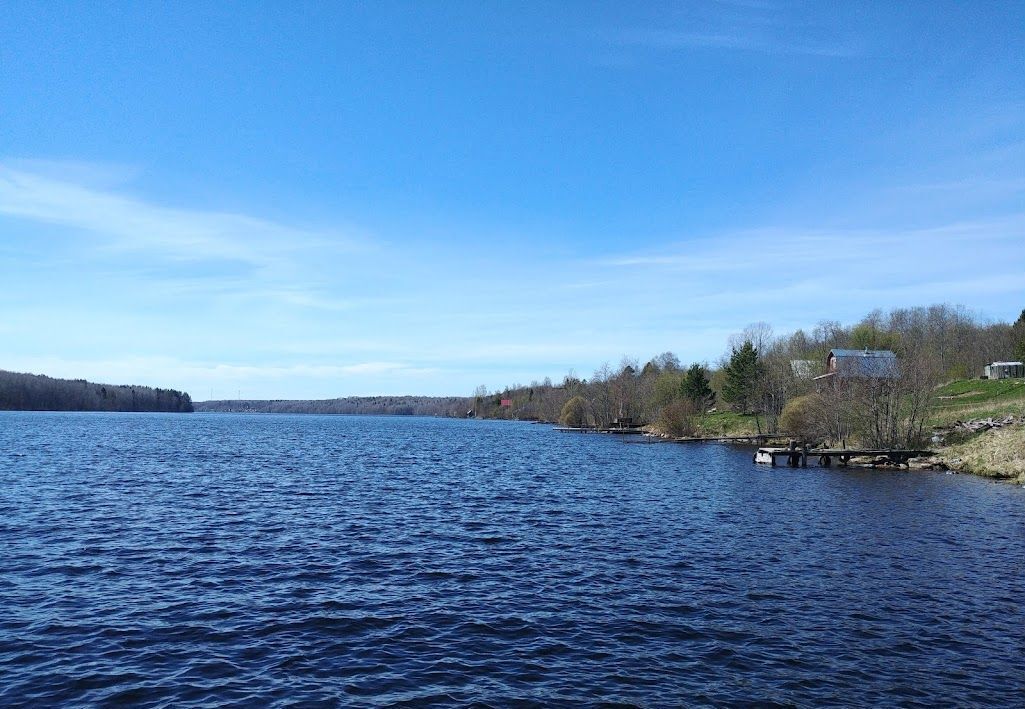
[37,392]
[992,442]
[977,398]
[995,453]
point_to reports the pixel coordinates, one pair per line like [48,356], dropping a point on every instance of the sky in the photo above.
[311,200]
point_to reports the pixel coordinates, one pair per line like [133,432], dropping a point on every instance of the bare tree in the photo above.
[601,395]
[758,334]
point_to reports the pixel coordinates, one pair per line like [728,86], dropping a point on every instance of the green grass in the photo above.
[977,398]
[727,423]
[973,391]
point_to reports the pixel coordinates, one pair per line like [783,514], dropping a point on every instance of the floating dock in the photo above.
[798,457]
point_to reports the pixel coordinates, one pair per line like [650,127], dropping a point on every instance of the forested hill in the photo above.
[36,392]
[456,406]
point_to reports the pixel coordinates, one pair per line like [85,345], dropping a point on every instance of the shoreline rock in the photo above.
[995,450]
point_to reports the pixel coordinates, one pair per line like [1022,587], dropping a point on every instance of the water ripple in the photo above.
[160,560]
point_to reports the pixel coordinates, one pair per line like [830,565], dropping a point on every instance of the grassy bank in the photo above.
[996,453]
[726,423]
[977,398]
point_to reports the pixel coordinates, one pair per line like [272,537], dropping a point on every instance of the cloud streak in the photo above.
[140,245]
[780,275]
[754,27]
[132,225]
[780,246]
[736,39]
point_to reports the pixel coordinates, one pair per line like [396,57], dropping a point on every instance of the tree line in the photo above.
[448,406]
[772,379]
[37,392]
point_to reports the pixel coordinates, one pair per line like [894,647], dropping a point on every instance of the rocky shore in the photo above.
[992,448]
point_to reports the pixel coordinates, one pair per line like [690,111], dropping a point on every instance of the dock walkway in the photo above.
[798,457]
[756,438]
[634,431]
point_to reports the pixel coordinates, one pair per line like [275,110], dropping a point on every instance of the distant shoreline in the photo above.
[38,392]
[407,405]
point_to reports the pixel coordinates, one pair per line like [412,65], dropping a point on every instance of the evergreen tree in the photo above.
[742,376]
[1018,333]
[695,385]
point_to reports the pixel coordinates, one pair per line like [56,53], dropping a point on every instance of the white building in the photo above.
[1005,370]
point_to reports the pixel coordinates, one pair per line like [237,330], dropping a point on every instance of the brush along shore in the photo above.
[992,449]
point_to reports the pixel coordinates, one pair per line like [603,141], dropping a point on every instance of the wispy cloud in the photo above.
[736,38]
[782,274]
[129,224]
[98,175]
[967,188]
[137,243]
[744,26]
[315,371]
[799,247]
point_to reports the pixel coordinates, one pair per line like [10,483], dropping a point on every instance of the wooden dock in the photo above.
[755,438]
[797,457]
[751,438]
[594,429]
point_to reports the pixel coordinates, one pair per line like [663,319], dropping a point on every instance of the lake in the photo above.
[162,559]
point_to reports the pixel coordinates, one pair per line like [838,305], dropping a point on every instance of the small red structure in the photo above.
[506,402]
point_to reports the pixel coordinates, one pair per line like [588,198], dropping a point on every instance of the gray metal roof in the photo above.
[863,353]
[875,364]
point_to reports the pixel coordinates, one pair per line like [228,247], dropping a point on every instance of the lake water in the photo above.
[206,559]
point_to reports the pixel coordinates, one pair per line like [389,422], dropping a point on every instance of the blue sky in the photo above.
[322,199]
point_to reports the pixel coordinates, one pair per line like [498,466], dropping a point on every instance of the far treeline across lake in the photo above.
[35,392]
[446,406]
[885,385]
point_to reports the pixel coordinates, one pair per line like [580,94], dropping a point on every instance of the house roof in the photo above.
[876,364]
[863,353]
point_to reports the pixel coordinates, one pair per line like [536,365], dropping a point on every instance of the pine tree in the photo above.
[1018,333]
[742,376]
[695,385]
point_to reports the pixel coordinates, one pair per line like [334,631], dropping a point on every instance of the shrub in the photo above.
[804,417]
[677,418]
[574,412]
